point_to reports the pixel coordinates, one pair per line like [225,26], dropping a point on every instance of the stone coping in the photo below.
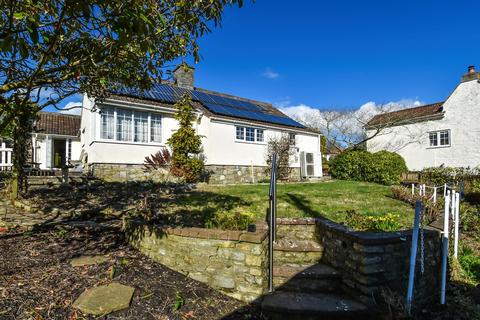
[203,233]
[363,237]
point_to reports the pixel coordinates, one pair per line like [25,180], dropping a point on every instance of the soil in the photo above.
[38,282]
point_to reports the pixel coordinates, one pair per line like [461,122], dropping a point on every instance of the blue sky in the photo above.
[341,54]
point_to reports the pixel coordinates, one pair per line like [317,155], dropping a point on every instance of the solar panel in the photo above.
[215,103]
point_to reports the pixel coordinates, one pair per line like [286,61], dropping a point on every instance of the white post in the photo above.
[424,190]
[413,255]
[445,248]
[444,190]
[413,189]
[456,213]
[434,195]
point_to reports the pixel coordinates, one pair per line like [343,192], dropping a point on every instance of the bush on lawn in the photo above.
[381,167]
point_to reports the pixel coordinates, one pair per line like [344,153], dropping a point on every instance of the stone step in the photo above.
[306,306]
[316,278]
[286,244]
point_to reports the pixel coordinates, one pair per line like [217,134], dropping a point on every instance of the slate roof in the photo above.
[57,123]
[425,112]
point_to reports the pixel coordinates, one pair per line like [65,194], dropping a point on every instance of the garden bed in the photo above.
[38,282]
[229,207]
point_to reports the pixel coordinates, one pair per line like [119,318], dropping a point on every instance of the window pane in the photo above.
[291,137]
[259,135]
[124,125]
[141,127]
[240,133]
[156,128]
[250,134]
[433,139]
[107,123]
[444,138]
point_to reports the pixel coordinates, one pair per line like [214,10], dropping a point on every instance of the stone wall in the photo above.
[216,174]
[372,264]
[233,262]
[113,172]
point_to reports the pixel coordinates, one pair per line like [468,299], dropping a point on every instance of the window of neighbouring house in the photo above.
[249,134]
[156,128]
[439,138]
[107,123]
[141,126]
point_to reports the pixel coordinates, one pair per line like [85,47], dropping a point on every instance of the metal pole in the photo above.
[456,213]
[445,248]
[434,195]
[271,223]
[413,255]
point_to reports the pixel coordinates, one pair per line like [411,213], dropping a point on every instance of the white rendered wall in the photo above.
[462,114]
[218,140]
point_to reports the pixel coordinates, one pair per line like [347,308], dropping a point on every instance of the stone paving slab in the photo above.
[88,260]
[106,299]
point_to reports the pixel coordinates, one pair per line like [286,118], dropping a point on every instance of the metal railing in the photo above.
[272,220]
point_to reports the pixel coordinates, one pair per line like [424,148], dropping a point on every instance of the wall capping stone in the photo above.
[203,233]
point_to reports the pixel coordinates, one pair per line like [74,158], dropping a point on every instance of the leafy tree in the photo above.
[186,144]
[52,49]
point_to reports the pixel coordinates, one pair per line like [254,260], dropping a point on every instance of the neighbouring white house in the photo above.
[440,134]
[56,140]
[117,133]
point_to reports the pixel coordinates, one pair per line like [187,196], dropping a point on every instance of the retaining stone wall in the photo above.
[216,174]
[234,262]
[372,264]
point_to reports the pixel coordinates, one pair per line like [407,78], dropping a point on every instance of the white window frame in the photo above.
[132,133]
[244,136]
[438,140]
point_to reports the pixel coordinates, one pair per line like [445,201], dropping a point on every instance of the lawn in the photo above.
[331,199]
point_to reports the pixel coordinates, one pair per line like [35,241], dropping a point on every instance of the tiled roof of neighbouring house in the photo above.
[406,115]
[215,102]
[57,123]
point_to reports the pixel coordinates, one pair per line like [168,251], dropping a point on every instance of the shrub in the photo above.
[386,168]
[157,161]
[228,220]
[432,211]
[350,165]
[381,167]
[361,222]
[186,144]
[451,176]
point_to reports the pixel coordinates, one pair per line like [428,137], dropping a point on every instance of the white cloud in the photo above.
[270,74]
[340,122]
[72,108]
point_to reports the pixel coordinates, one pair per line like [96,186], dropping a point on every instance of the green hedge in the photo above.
[381,167]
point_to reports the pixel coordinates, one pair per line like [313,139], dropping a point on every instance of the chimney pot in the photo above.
[471,70]
[183,76]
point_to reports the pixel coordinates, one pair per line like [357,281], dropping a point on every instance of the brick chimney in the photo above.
[183,76]
[471,74]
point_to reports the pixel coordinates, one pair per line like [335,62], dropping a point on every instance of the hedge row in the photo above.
[381,167]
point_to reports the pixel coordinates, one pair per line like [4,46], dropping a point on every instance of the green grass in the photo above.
[330,199]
